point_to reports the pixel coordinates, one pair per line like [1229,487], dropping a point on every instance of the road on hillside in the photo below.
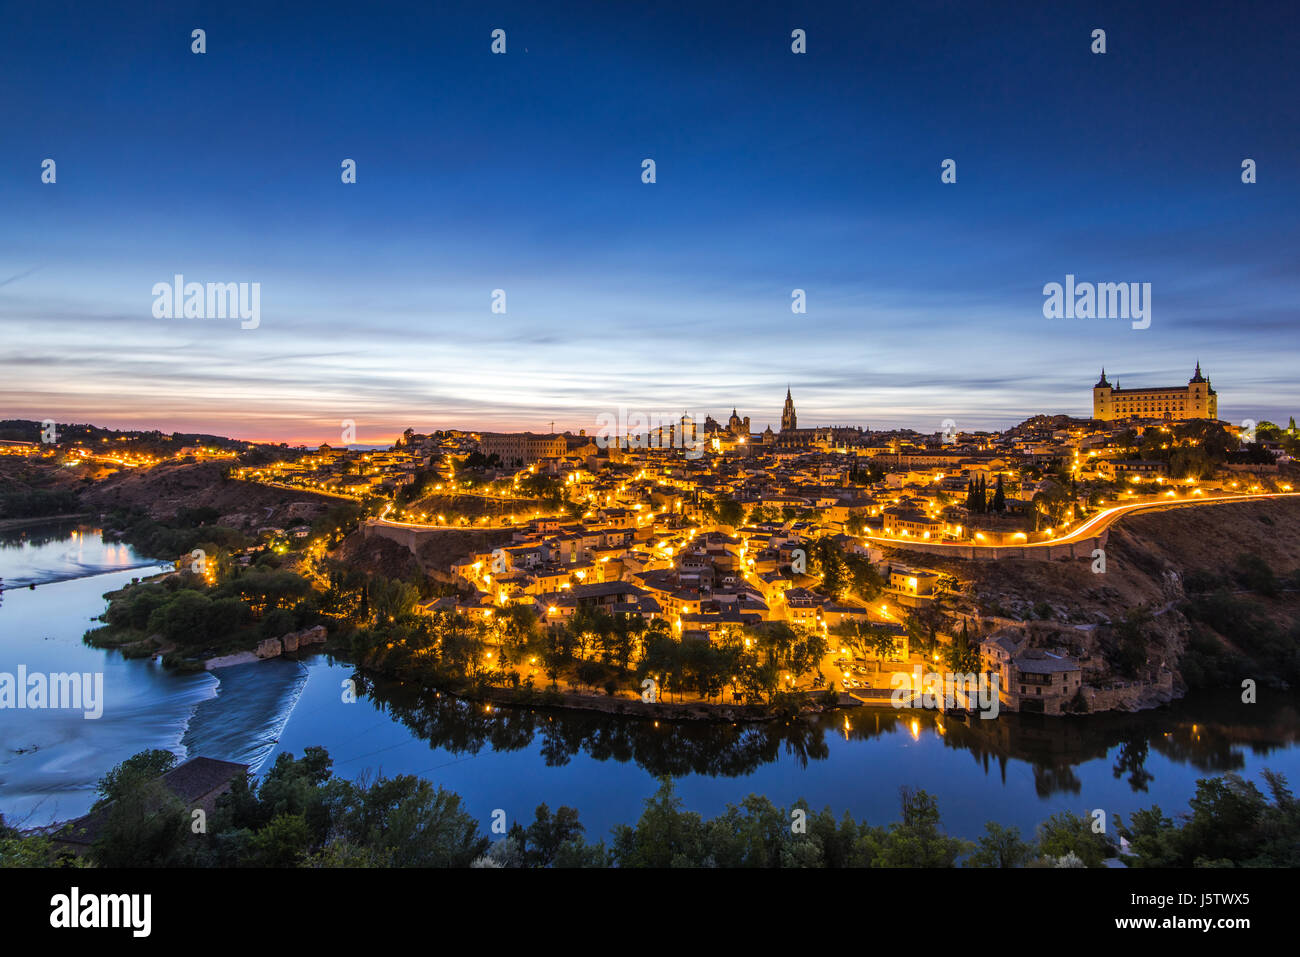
[1098,523]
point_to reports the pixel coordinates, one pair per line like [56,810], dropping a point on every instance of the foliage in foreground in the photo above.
[301,815]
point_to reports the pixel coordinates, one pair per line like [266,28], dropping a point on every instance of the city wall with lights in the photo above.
[1041,551]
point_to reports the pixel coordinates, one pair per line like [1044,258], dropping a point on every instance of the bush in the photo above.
[1253,573]
[1199,581]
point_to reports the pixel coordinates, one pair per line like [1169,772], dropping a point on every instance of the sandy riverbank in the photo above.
[228,661]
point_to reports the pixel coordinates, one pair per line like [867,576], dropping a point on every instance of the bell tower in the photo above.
[788,419]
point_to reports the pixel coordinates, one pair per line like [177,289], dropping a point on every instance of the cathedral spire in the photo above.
[788,420]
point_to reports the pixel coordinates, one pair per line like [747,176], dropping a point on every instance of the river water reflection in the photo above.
[1016,769]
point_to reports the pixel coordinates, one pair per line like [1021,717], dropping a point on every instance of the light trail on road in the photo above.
[1092,526]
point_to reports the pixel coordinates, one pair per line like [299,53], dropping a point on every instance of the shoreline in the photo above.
[230,661]
[694,711]
[30,586]
[7,523]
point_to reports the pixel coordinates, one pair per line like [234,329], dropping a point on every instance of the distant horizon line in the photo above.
[298,442]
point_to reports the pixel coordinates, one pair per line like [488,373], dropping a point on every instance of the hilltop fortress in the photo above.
[1196,400]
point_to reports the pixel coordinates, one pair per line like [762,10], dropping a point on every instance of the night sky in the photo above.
[522,172]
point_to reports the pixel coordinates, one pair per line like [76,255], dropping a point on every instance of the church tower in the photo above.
[1202,401]
[788,420]
[1102,407]
[738,427]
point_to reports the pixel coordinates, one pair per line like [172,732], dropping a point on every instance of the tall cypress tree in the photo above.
[999,497]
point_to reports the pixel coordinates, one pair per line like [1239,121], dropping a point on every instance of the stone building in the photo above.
[1030,679]
[522,448]
[1196,400]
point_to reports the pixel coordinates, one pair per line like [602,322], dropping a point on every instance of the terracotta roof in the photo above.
[198,776]
[190,782]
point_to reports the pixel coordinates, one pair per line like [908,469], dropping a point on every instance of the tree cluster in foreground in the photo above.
[301,815]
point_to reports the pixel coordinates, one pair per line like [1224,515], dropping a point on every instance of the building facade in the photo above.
[1196,400]
[522,448]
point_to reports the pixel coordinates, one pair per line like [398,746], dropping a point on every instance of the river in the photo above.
[1016,769]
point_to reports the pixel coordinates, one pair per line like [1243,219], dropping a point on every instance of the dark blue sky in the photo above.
[521,172]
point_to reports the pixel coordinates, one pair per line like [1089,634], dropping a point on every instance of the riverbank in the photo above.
[195,625]
[230,661]
[8,523]
[635,708]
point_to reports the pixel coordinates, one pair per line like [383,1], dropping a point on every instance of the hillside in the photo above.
[164,489]
[1213,593]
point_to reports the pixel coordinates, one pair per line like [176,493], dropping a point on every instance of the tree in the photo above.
[962,657]
[392,598]
[505,853]
[827,561]
[1068,833]
[143,766]
[865,580]
[141,823]
[31,851]
[1050,501]
[665,835]
[1000,847]
[917,840]
[662,660]
[727,511]
[1227,820]
[925,622]
[537,485]
[185,619]
[284,842]
[1154,840]
[412,823]
[1128,653]
[999,497]
[302,787]
[1254,573]
[754,833]
[548,834]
